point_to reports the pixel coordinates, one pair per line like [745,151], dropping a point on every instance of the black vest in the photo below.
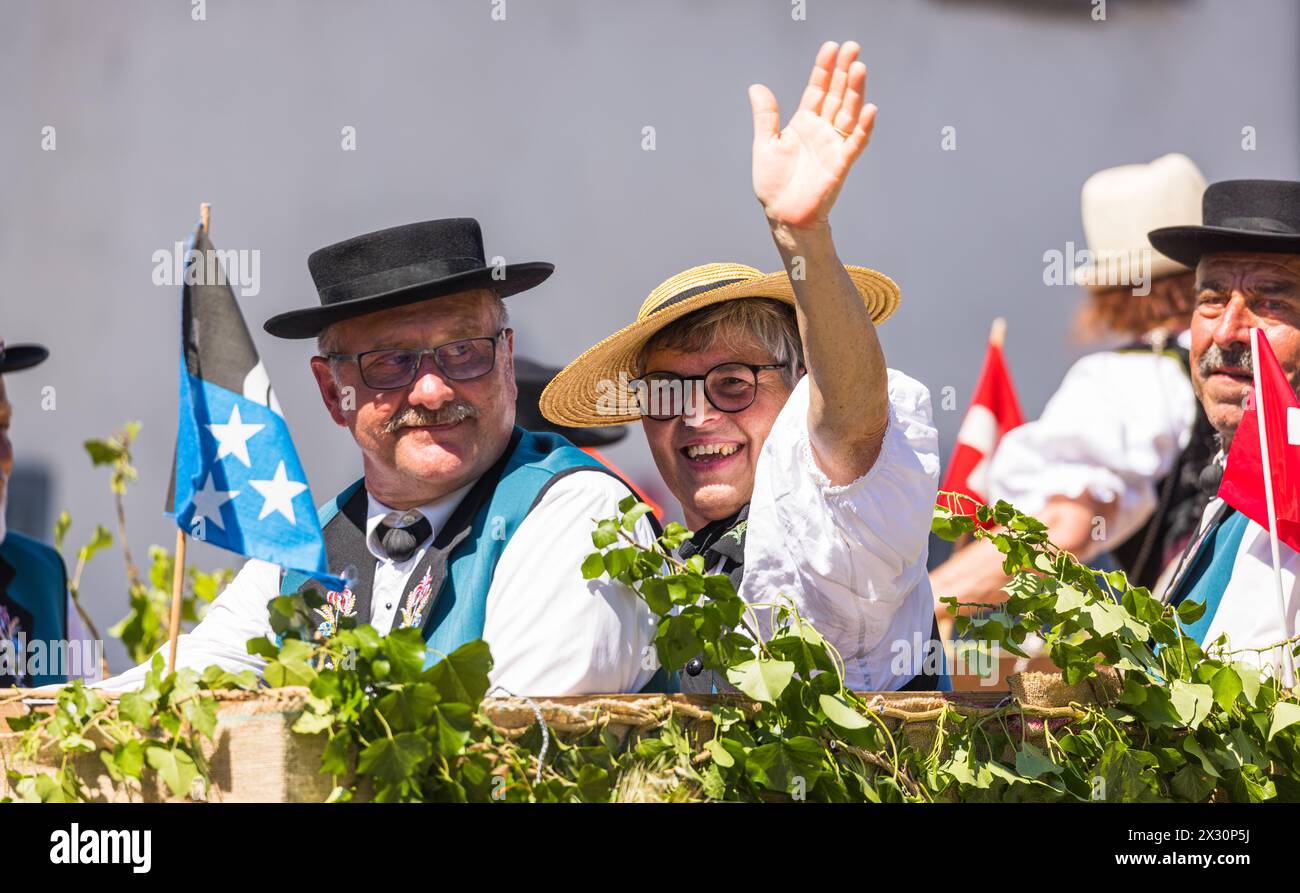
[1180,501]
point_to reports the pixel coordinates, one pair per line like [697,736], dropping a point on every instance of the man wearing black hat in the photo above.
[463,525]
[34,605]
[1247,261]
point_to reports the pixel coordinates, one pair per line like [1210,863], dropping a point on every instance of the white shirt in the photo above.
[1112,430]
[550,631]
[851,558]
[1248,610]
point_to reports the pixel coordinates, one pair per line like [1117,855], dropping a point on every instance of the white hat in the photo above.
[1122,204]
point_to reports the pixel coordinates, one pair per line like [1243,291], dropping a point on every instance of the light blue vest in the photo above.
[531,464]
[34,595]
[1211,571]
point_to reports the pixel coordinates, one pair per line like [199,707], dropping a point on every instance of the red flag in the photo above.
[993,412]
[1243,478]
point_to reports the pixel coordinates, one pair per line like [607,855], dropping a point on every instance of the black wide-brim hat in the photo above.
[531,379]
[16,357]
[1238,215]
[399,266]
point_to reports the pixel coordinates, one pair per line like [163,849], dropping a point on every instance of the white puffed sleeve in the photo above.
[1112,429]
[851,558]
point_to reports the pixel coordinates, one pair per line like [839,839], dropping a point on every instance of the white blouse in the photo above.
[1112,430]
[851,558]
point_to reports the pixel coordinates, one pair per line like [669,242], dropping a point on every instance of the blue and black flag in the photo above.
[237,481]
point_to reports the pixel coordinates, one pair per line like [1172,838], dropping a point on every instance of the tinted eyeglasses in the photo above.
[391,368]
[729,387]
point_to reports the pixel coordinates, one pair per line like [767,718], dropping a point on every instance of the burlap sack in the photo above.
[1051,689]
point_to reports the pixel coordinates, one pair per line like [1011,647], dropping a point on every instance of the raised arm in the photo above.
[798,173]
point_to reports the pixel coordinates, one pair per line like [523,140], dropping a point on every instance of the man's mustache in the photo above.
[1236,359]
[419,416]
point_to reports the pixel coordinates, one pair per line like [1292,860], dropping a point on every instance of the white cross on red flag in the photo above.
[1243,478]
[994,411]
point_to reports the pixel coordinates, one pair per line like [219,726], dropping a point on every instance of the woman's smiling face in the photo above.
[708,457]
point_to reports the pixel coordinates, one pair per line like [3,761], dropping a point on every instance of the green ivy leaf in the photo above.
[1226,685]
[1191,785]
[655,592]
[134,708]
[593,566]
[61,529]
[101,540]
[634,514]
[1249,676]
[406,650]
[1285,715]
[1189,611]
[291,667]
[840,712]
[337,757]
[605,535]
[1193,748]
[780,765]
[462,676]
[617,561]
[201,716]
[394,760]
[1192,703]
[103,452]
[763,680]
[677,640]
[721,756]
[174,766]
[454,722]
[311,723]
[1031,762]
[1128,774]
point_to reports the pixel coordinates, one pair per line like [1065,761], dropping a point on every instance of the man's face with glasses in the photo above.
[707,417]
[428,392]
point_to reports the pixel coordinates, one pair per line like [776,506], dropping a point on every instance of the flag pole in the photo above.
[998,333]
[178,585]
[178,570]
[1286,662]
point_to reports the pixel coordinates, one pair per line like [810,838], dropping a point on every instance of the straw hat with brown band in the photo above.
[573,397]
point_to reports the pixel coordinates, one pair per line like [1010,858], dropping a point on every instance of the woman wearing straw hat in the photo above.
[807,468]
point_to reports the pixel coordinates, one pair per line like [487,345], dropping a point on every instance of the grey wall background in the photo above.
[533,125]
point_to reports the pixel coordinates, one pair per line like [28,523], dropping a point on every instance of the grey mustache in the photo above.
[1236,358]
[416,416]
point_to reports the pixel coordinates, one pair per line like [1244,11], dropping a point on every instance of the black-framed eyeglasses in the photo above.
[729,387]
[391,368]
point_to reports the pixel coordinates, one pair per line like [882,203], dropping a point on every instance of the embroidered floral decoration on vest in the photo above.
[337,606]
[417,601]
[10,629]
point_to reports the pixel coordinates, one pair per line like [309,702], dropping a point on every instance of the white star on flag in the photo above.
[1293,426]
[232,437]
[278,494]
[209,500]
